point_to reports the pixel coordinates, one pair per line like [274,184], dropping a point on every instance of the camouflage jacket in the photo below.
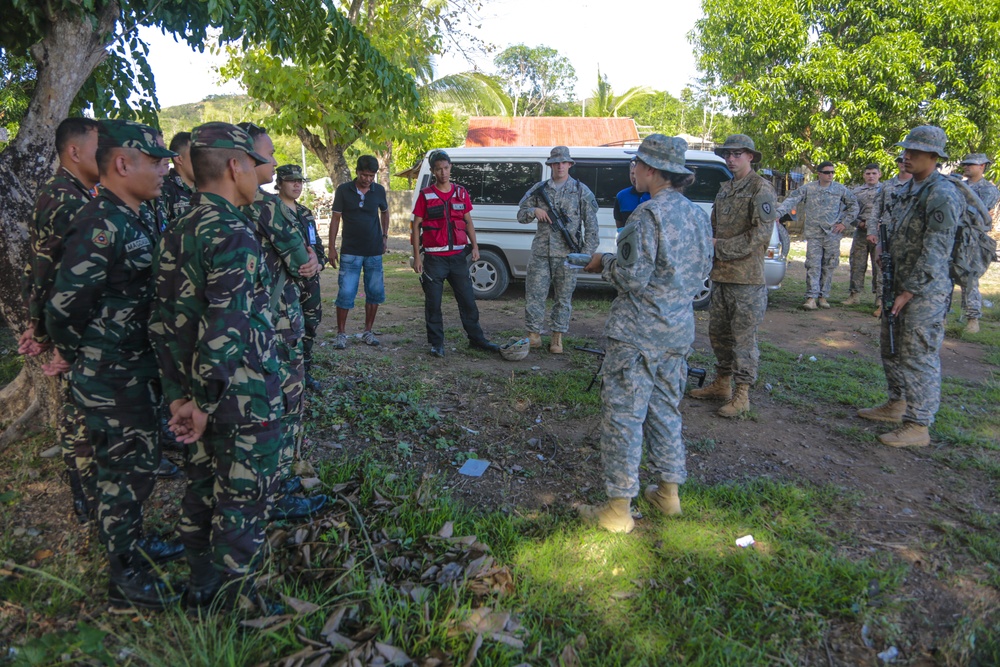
[658,276]
[923,238]
[103,290]
[305,222]
[986,191]
[58,202]
[211,324]
[742,221]
[819,208]
[176,196]
[867,196]
[284,251]
[888,198]
[579,208]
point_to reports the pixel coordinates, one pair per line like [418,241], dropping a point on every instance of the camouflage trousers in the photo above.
[913,374]
[822,258]
[972,299]
[862,254]
[292,387]
[74,441]
[118,398]
[232,474]
[736,312]
[312,313]
[640,397]
[542,272]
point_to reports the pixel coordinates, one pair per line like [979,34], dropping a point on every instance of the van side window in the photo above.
[496,182]
[707,181]
[605,178]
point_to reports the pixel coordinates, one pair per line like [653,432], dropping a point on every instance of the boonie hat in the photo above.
[560,154]
[739,142]
[130,134]
[926,138]
[225,135]
[290,172]
[662,152]
[976,158]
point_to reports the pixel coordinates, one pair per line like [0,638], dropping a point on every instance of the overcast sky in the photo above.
[646,46]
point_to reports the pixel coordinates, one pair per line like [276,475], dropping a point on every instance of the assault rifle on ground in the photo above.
[696,373]
[558,220]
[888,298]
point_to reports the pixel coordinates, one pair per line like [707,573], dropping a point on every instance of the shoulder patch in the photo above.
[627,253]
[251,264]
[101,238]
[766,208]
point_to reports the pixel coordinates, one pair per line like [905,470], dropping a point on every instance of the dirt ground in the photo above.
[544,459]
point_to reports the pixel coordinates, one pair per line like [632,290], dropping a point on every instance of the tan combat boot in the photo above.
[878,311]
[810,304]
[822,302]
[721,388]
[972,326]
[555,346]
[908,435]
[853,300]
[614,515]
[739,405]
[664,497]
[534,339]
[890,411]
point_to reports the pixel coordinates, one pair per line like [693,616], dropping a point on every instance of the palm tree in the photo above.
[605,103]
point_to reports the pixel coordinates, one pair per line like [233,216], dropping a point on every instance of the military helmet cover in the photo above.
[515,349]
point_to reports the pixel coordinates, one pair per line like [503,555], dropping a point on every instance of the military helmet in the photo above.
[926,138]
[738,142]
[515,349]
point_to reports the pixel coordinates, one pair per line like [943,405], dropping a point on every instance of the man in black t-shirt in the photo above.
[363,207]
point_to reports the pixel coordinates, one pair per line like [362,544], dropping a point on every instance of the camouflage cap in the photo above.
[225,135]
[738,142]
[926,138]
[559,154]
[130,134]
[976,158]
[662,152]
[290,172]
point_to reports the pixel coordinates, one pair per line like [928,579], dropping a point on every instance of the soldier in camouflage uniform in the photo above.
[664,255]
[862,245]
[217,351]
[974,166]
[742,221]
[920,244]
[290,180]
[825,209]
[58,202]
[98,319]
[178,186]
[578,208]
[290,260]
[889,196]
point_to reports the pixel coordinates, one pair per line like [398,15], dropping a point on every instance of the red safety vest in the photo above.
[443,226]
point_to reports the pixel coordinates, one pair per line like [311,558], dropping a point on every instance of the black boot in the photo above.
[312,384]
[205,581]
[157,550]
[296,508]
[83,508]
[246,587]
[168,469]
[132,586]
[290,485]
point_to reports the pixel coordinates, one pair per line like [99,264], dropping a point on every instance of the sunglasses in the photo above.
[825,173]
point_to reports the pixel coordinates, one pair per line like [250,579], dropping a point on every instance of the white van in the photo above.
[497,178]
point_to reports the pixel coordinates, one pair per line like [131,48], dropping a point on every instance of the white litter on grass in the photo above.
[474,467]
[889,654]
[745,541]
[812,358]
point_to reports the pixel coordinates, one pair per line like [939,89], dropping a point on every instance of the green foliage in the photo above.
[17,83]
[844,81]
[534,77]
[445,129]
[605,103]
[60,647]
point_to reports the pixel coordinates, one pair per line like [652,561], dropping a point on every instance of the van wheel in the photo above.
[489,275]
[704,296]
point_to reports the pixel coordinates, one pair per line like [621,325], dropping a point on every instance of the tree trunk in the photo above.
[330,154]
[384,157]
[64,59]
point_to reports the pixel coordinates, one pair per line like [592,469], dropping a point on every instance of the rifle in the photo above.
[556,219]
[696,373]
[885,260]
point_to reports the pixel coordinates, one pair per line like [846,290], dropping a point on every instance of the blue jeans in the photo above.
[349,277]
